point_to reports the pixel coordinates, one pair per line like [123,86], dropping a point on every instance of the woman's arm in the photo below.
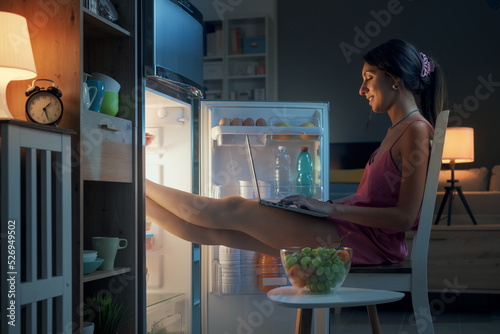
[341,200]
[411,154]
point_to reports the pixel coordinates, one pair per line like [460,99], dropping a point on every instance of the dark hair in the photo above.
[401,60]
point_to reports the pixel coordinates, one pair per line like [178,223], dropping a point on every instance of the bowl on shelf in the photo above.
[89,255]
[318,270]
[90,267]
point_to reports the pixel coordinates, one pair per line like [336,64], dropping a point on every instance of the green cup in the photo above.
[106,249]
[109,103]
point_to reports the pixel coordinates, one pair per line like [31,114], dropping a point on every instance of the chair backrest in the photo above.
[421,237]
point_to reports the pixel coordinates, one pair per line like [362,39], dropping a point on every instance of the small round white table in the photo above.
[305,302]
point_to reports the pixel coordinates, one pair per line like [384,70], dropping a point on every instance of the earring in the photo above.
[395,86]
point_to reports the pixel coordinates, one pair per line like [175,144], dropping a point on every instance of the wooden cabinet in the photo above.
[106,144]
[240,62]
[110,148]
[106,152]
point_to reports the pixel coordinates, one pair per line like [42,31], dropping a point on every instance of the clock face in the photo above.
[44,108]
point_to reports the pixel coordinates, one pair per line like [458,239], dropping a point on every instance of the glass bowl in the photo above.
[318,270]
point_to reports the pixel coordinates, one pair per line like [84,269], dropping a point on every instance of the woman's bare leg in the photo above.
[202,235]
[273,227]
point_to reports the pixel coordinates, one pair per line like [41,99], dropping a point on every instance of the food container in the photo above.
[319,270]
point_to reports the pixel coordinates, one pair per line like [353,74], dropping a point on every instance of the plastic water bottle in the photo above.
[282,184]
[305,184]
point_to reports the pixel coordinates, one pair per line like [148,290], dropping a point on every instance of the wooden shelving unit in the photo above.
[240,61]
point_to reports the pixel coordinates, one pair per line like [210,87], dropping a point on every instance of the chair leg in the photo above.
[422,310]
[373,316]
[304,321]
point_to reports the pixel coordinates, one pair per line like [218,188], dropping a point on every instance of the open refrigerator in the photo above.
[188,288]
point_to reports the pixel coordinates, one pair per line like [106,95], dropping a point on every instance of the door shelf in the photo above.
[99,274]
[251,279]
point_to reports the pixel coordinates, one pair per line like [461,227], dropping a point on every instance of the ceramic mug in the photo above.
[110,103]
[110,100]
[100,87]
[106,248]
[111,84]
[88,95]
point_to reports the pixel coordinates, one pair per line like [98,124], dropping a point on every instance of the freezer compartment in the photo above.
[165,313]
[240,272]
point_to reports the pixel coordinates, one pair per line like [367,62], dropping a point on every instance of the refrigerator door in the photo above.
[241,305]
[173,300]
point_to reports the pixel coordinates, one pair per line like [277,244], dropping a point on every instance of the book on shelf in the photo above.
[215,44]
[236,37]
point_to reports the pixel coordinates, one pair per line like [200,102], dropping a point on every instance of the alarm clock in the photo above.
[44,105]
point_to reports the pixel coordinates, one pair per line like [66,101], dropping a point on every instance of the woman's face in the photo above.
[377,88]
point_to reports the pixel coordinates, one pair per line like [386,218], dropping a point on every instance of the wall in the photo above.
[464,39]
[46,22]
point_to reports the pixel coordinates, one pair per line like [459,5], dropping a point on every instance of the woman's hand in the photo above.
[308,203]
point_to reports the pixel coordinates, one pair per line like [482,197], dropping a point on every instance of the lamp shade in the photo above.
[16,55]
[458,145]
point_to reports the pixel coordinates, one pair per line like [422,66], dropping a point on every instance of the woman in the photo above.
[397,80]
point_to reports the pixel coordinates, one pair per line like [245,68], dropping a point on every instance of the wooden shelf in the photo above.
[98,27]
[99,274]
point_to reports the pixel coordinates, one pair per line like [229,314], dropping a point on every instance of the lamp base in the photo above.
[449,194]
[4,109]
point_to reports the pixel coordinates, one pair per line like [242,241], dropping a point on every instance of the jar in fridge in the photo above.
[267,267]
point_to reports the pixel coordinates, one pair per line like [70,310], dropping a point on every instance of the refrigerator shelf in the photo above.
[295,131]
[165,312]
[246,279]
[260,134]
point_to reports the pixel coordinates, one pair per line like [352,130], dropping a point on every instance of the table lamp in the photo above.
[458,148]
[16,55]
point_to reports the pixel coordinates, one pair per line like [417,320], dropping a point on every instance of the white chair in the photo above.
[411,275]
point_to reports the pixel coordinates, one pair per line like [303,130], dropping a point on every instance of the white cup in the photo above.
[88,95]
[111,84]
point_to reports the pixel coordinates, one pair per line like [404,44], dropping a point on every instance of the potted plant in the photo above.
[105,312]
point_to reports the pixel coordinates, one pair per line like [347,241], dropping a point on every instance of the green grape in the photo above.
[320,271]
[321,286]
[306,249]
[305,261]
[331,276]
[335,268]
[317,261]
[290,263]
[327,270]
[314,279]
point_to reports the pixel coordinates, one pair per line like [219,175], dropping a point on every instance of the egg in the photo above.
[248,122]
[261,122]
[224,121]
[237,122]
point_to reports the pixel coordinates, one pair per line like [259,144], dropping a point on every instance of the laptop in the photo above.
[278,205]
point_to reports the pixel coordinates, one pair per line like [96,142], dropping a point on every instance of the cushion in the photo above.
[346,175]
[474,179]
[495,178]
